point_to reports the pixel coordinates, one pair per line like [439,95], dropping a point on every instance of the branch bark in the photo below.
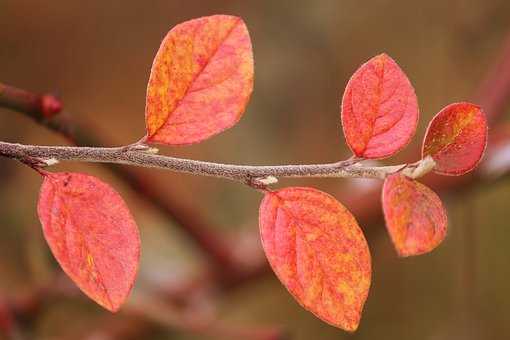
[257,176]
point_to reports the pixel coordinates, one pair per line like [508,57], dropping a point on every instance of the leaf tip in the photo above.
[382,57]
[352,327]
[112,308]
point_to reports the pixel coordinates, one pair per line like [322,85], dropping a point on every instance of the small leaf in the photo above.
[92,235]
[379,109]
[415,217]
[200,81]
[318,252]
[456,138]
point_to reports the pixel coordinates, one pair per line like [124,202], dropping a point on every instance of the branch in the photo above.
[37,107]
[256,176]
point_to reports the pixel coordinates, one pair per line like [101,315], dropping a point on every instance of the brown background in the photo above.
[97,54]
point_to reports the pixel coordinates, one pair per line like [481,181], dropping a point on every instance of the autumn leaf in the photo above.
[415,217]
[92,235]
[379,109]
[456,138]
[318,252]
[200,81]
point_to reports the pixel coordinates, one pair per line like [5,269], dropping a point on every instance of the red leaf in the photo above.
[201,80]
[379,109]
[91,234]
[415,217]
[456,138]
[318,252]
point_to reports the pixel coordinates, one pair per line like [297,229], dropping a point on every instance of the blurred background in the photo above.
[96,56]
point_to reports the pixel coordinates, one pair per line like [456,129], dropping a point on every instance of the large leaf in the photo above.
[201,80]
[91,234]
[379,109]
[318,252]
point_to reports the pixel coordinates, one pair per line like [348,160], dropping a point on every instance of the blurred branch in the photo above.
[142,314]
[36,107]
[6,319]
[493,94]
[138,323]
[498,156]
[193,321]
[498,163]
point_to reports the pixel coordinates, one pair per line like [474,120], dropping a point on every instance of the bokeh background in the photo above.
[96,55]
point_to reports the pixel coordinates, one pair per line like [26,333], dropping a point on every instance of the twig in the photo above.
[49,155]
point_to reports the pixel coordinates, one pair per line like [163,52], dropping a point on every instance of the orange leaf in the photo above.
[200,81]
[456,138]
[379,109]
[91,234]
[415,217]
[318,252]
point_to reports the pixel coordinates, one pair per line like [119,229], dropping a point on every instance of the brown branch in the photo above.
[257,176]
[190,221]
[38,107]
